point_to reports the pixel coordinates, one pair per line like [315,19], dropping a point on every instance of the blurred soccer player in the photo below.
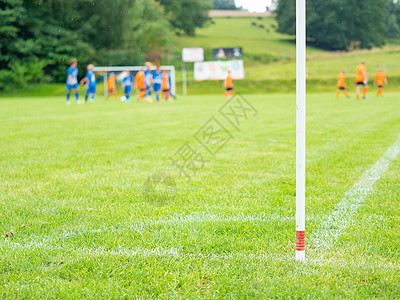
[140,85]
[111,86]
[380,81]
[165,85]
[90,83]
[127,86]
[361,80]
[157,80]
[341,85]
[228,86]
[72,81]
[148,76]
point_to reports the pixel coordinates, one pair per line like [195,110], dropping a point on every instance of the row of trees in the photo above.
[392,22]
[39,37]
[224,5]
[339,24]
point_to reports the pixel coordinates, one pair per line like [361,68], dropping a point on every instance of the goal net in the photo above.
[119,70]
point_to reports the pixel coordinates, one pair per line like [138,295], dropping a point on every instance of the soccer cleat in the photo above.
[68,102]
[78,102]
[365,98]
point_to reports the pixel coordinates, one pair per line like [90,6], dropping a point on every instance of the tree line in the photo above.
[344,24]
[39,37]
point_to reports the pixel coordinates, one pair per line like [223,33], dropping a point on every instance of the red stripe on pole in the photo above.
[300,240]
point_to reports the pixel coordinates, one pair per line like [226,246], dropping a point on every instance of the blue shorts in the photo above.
[69,87]
[148,87]
[91,89]
[157,87]
[128,89]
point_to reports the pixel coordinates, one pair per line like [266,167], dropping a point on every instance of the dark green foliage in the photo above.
[224,4]
[19,61]
[38,38]
[286,16]
[393,20]
[336,24]
[328,23]
[186,16]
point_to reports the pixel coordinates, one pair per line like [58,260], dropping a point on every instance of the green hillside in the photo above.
[271,55]
[256,36]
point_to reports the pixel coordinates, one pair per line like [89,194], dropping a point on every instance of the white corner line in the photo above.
[334,224]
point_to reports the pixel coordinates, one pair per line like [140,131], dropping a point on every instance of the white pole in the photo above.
[173,87]
[300,128]
[184,79]
[105,84]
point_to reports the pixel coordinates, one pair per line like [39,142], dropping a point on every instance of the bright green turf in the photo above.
[74,176]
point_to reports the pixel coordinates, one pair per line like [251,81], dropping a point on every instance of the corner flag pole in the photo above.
[300,128]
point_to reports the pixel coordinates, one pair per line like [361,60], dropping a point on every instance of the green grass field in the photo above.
[75,195]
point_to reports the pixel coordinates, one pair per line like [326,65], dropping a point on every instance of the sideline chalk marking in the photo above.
[344,211]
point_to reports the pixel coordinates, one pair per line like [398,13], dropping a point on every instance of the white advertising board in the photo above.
[192,54]
[218,70]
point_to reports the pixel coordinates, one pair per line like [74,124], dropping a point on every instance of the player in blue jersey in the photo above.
[157,80]
[90,83]
[148,77]
[72,81]
[127,86]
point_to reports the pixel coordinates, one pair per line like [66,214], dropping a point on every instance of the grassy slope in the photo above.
[229,32]
[74,176]
[233,32]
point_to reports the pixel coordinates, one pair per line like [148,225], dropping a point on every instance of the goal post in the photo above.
[300,128]
[105,70]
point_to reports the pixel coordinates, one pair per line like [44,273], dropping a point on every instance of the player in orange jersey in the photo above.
[111,86]
[380,81]
[361,80]
[228,86]
[341,85]
[140,84]
[165,85]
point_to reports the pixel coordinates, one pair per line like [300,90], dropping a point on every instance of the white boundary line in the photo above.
[174,221]
[325,236]
[137,251]
[55,241]
[344,211]
[174,253]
